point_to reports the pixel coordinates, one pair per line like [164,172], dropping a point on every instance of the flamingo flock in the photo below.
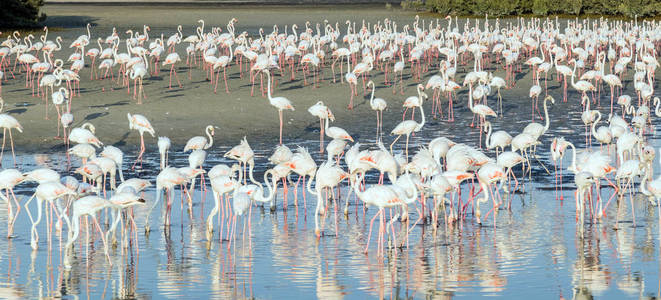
[442,177]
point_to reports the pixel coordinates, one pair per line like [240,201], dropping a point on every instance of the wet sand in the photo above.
[181,113]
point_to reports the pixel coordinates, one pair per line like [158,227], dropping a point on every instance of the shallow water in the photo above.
[536,249]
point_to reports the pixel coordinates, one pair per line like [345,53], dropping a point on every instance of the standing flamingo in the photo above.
[281,103]
[200,142]
[406,128]
[172,59]
[322,112]
[9,178]
[7,123]
[378,105]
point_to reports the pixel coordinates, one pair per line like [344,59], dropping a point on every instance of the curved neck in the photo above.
[309,185]
[594,124]
[546,115]
[572,167]
[643,184]
[374,88]
[422,113]
[356,187]
[268,84]
[250,172]
[470,96]
[573,74]
[208,131]
[259,197]
[487,141]
[415,190]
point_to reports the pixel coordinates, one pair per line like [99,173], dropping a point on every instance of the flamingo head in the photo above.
[549,97]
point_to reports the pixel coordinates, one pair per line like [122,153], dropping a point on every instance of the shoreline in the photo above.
[228,3]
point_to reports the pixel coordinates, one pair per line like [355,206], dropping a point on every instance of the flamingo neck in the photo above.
[572,167]
[422,112]
[488,141]
[374,88]
[594,124]
[210,138]
[643,184]
[546,115]
[268,84]
[309,185]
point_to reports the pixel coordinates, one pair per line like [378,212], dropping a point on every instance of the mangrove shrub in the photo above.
[20,13]
[629,8]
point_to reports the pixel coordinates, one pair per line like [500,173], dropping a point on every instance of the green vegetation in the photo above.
[628,8]
[20,13]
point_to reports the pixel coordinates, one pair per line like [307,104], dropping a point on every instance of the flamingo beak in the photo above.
[464,176]
[368,158]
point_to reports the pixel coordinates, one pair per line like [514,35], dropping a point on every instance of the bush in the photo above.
[629,8]
[20,13]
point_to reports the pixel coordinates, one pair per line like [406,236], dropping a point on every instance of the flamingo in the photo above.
[382,196]
[414,101]
[612,80]
[166,180]
[281,103]
[406,128]
[499,139]
[536,129]
[9,178]
[117,156]
[163,147]
[582,85]
[498,83]
[171,60]
[399,67]
[322,112]
[7,123]
[328,176]
[48,191]
[200,142]
[142,125]
[378,105]
[352,80]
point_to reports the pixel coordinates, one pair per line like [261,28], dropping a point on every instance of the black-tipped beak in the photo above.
[141,200]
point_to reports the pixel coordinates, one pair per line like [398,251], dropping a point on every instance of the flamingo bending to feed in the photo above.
[141,124]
